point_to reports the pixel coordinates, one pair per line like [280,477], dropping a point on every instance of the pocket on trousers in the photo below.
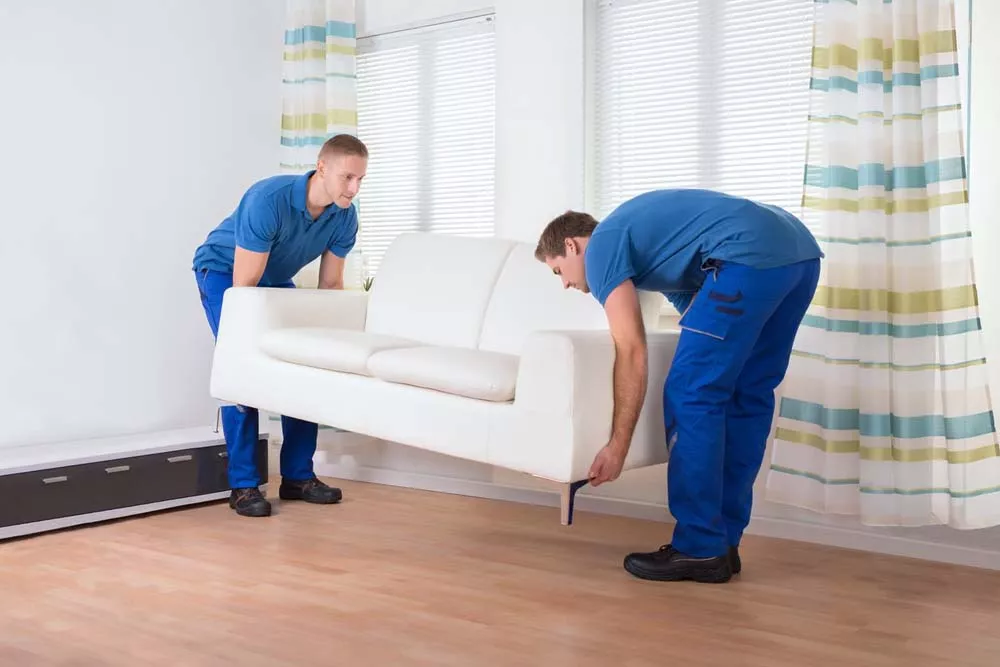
[711,317]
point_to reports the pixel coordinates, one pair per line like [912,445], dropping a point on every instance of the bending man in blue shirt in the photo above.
[743,274]
[282,224]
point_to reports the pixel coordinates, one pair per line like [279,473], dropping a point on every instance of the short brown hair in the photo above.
[343,144]
[570,224]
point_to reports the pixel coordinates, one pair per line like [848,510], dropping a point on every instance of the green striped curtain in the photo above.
[885,411]
[319,81]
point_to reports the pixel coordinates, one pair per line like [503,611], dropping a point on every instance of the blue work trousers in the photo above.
[718,400]
[240,424]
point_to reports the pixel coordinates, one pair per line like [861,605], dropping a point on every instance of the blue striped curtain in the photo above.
[885,410]
[319,79]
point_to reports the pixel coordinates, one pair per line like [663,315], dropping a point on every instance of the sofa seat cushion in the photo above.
[344,350]
[489,376]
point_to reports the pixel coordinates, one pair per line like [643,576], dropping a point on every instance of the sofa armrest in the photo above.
[249,312]
[561,371]
[571,374]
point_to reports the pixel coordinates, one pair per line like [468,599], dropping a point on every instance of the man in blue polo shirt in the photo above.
[282,224]
[743,275]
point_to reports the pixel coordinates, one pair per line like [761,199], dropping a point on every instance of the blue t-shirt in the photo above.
[272,217]
[662,239]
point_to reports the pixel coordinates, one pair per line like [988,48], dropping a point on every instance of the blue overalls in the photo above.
[241,424]
[273,217]
[718,400]
[743,274]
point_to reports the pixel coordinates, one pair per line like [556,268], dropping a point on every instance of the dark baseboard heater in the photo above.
[53,486]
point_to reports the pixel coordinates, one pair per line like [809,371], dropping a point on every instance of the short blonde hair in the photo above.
[343,144]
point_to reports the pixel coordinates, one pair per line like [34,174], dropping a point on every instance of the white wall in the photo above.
[984,175]
[540,113]
[540,172]
[127,131]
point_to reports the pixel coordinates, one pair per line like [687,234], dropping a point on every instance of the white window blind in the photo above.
[426,113]
[688,93]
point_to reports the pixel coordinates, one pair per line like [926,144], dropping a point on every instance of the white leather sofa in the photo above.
[464,346]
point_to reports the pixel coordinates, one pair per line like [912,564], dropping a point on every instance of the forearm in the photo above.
[248,267]
[246,278]
[331,283]
[630,378]
[331,271]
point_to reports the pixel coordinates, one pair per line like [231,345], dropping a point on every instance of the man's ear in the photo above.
[572,247]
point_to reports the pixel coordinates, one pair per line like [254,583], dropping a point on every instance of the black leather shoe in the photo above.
[669,564]
[310,490]
[734,560]
[249,502]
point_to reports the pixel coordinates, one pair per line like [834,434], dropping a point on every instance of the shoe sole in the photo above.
[298,496]
[718,575]
[252,514]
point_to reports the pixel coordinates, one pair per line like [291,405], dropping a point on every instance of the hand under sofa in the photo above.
[464,346]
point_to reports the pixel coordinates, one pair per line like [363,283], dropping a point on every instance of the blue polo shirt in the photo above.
[662,239]
[272,217]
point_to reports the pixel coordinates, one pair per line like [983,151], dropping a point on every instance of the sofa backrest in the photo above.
[529,297]
[486,293]
[434,288]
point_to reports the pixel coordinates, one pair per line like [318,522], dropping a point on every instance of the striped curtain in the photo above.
[885,411]
[320,96]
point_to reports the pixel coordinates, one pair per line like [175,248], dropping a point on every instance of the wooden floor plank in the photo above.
[406,577]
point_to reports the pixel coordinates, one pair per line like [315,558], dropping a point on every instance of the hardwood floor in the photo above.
[403,577]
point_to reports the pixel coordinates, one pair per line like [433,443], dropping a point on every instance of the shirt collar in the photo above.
[299,190]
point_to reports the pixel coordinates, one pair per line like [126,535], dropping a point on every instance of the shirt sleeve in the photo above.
[608,262]
[345,237]
[256,223]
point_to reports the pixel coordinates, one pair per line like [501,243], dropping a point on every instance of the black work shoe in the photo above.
[669,564]
[734,560]
[249,502]
[310,490]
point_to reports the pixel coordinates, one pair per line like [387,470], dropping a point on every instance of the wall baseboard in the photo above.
[781,528]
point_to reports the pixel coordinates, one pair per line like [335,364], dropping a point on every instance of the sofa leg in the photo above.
[567,500]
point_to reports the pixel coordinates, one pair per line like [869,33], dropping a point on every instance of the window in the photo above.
[688,93]
[426,113]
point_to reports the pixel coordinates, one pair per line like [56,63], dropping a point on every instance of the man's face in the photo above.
[570,267]
[341,177]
